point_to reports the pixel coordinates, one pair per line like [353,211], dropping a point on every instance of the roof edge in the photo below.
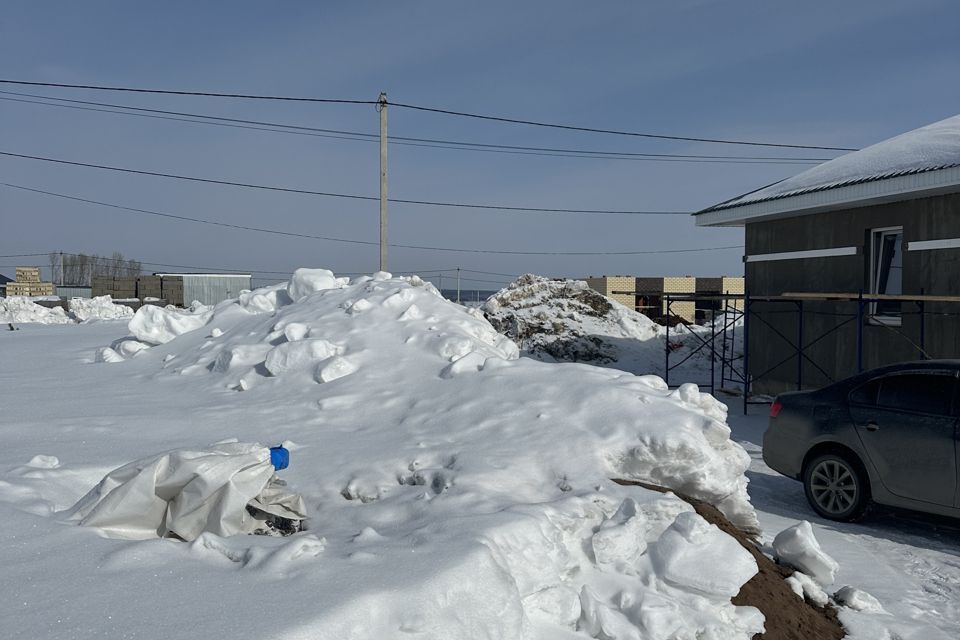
[894,189]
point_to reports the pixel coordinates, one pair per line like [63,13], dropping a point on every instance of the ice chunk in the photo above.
[695,555]
[621,538]
[296,331]
[336,367]
[307,281]
[858,600]
[797,547]
[805,587]
[298,355]
[265,299]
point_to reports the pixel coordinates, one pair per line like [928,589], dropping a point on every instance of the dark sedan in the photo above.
[889,436]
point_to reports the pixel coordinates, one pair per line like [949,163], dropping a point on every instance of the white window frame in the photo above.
[875,318]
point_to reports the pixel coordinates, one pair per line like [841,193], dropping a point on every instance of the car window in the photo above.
[924,392]
[866,393]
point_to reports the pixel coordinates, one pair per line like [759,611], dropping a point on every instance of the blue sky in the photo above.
[837,74]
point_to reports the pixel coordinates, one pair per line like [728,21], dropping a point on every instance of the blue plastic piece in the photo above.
[279,457]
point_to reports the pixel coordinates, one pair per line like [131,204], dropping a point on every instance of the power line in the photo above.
[356,136]
[327,194]
[353,241]
[614,131]
[211,94]
[185,218]
[462,114]
[22,255]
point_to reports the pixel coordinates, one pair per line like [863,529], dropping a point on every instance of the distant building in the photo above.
[67,291]
[883,221]
[179,289]
[28,283]
[619,288]
[3,284]
[649,295]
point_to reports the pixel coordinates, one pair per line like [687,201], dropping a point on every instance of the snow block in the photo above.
[307,281]
[695,555]
[158,325]
[797,547]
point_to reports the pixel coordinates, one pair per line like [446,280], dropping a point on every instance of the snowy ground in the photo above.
[909,562]
[455,490]
[441,507]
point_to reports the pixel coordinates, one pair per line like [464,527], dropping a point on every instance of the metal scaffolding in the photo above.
[729,309]
[738,312]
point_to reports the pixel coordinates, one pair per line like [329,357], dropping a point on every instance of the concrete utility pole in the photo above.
[382,108]
[458,285]
[61,268]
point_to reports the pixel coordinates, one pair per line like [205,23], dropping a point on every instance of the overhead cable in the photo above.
[356,136]
[247,185]
[366,242]
[450,112]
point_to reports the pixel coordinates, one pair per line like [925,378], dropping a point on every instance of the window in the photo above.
[866,393]
[886,272]
[924,393]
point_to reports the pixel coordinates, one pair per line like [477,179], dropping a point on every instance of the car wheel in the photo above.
[836,487]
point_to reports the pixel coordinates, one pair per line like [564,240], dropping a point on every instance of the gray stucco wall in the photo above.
[935,272]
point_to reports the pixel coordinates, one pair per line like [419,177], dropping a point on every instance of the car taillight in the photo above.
[775,408]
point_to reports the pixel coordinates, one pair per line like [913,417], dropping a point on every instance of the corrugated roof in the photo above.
[930,148]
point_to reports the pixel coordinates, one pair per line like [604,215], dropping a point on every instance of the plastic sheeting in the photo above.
[183,493]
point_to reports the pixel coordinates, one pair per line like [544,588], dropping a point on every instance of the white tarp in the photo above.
[185,493]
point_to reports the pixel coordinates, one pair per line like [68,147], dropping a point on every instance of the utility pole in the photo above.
[458,285]
[382,108]
[61,268]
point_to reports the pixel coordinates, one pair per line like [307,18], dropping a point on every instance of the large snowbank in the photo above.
[460,491]
[18,309]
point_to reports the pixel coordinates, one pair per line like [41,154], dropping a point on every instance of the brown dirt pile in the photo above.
[787,616]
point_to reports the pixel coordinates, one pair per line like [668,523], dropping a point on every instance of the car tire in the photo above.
[837,487]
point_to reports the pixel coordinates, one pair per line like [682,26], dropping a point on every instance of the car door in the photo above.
[908,427]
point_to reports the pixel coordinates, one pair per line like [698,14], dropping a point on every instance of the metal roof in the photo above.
[746,199]
[919,163]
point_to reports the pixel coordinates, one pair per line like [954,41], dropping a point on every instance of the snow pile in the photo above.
[20,309]
[797,547]
[98,308]
[460,491]
[567,321]
[156,325]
